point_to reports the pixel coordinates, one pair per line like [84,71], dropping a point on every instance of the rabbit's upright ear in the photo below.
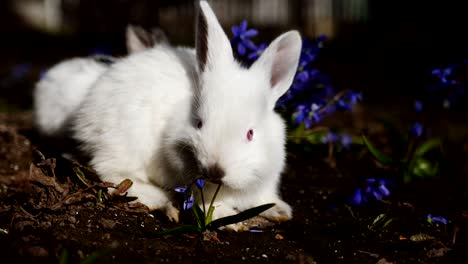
[280,61]
[212,44]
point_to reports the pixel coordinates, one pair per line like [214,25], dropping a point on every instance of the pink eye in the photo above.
[250,135]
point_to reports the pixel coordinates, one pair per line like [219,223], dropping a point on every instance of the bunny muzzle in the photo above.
[214,173]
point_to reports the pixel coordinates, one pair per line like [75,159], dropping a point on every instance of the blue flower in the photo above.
[182,189]
[188,196]
[436,219]
[301,114]
[188,202]
[373,189]
[257,52]
[330,137]
[241,37]
[307,114]
[449,83]
[200,183]
[418,106]
[417,129]
[311,92]
[345,140]
[310,51]
[358,198]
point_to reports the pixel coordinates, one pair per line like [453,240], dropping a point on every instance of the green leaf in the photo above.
[209,215]
[64,258]
[407,176]
[3,232]
[387,222]
[176,230]
[242,216]
[380,156]
[428,145]
[99,197]
[315,136]
[297,134]
[424,168]
[379,218]
[96,255]
[199,216]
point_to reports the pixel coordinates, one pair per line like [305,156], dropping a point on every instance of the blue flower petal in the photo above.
[236,31]
[345,140]
[188,203]
[370,180]
[243,25]
[200,183]
[302,76]
[180,189]
[377,195]
[356,198]
[250,33]
[249,44]
[418,106]
[417,129]
[241,49]
[383,190]
[436,219]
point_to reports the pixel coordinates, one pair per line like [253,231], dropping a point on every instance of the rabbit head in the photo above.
[236,137]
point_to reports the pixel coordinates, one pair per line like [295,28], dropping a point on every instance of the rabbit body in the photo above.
[165,116]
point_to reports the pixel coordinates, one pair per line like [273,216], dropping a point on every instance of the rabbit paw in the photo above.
[172,213]
[279,213]
[155,198]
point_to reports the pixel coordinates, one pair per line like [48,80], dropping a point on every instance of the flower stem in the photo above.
[203,201]
[214,195]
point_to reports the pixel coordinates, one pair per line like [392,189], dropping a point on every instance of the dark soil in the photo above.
[47,214]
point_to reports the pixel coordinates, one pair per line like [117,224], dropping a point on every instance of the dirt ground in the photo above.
[49,214]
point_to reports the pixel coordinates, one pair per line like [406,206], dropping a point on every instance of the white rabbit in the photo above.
[164,116]
[63,87]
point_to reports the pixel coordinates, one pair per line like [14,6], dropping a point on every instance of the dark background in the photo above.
[388,55]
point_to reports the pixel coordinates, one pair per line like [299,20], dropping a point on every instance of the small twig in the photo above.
[455,232]
[375,255]
[350,211]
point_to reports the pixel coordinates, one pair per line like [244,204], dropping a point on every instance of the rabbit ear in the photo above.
[212,44]
[280,61]
[139,39]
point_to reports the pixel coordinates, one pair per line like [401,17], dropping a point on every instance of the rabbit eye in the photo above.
[198,124]
[250,134]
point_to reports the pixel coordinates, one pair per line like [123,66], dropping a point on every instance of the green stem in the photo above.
[203,202]
[214,196]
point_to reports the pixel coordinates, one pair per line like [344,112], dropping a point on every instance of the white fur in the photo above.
[61,91]
[64,86]
[139,122]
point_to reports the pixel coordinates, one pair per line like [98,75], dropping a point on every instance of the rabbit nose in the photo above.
[215,173]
